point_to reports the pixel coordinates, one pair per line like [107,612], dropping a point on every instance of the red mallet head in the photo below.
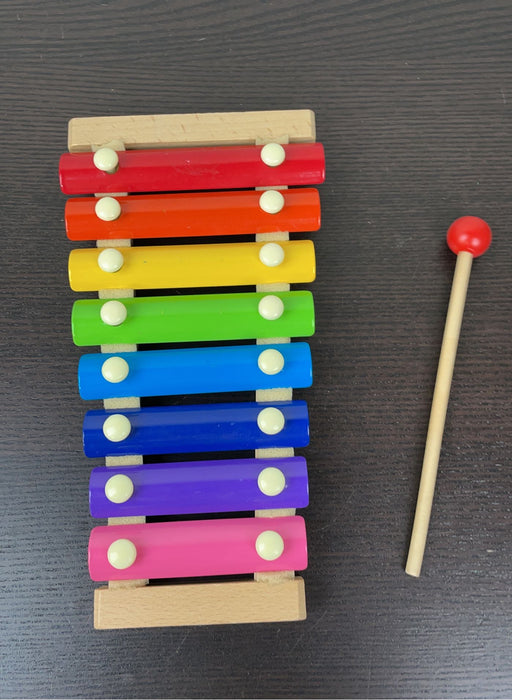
[469,233]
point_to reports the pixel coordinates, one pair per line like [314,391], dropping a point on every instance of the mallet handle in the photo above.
[438,412]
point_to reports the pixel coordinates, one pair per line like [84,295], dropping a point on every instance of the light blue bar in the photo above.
[195,371]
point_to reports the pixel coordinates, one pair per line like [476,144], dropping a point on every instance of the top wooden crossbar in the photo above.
[178,130]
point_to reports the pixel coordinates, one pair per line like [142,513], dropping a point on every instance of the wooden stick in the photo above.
[283,394]
[130,402]
[438,412]
[468,237]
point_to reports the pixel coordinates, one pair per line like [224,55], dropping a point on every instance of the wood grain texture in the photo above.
[200,129]
[413,104]
[231,602]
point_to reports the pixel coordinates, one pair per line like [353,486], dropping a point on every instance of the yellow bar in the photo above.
[175,266]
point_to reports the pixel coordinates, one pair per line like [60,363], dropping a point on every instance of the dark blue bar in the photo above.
[203,428]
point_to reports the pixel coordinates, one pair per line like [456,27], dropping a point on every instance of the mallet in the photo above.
[468,237]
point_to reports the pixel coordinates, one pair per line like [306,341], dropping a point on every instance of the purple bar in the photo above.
[213,486]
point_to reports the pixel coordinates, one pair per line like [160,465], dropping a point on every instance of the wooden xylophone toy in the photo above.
[194,176]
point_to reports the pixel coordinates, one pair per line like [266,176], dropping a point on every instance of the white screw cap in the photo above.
[106,159]
[271,481]
[269,545]
[271,201]
[113,313]
[115,370]
[119,488]
[272,154]
[121,554]
[116,427]
[107,209]
[271,254]
[270,307]
[270,421]
[110,260]
[270,361]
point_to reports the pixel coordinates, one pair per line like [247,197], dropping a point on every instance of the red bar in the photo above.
[185,169]
[192,214]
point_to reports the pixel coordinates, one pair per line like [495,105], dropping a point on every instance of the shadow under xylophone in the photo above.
[190,177]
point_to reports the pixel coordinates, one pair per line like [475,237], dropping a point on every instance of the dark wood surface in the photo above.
[413,100]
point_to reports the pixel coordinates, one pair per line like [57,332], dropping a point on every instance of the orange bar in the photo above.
[193,214]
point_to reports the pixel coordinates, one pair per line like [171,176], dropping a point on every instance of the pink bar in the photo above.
[197,548]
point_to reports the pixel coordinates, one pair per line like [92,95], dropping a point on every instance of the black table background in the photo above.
[412,99]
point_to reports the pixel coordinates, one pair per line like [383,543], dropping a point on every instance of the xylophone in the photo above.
[194,176]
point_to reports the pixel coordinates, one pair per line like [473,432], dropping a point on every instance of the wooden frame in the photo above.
[232,602]
[169,130]
[276,596]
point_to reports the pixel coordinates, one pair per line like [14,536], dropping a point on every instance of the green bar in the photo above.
[201,317]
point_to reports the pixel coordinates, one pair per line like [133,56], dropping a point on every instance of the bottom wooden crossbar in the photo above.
[230,602]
